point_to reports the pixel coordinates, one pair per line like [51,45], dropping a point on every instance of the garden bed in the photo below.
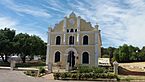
[86,73]
[84,76]
[35,73]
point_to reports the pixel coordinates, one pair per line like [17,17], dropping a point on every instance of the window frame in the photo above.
[71,30]
[84,40]
[83,58]
[56,40]
[73,40]
[55,57]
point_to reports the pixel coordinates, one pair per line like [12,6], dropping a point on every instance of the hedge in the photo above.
[84,76]
[87,69]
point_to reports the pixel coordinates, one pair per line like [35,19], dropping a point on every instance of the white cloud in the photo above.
[15,24]
[135,32]
[31,31]
[55,5]
[26,9]
[119,23]
[7,22]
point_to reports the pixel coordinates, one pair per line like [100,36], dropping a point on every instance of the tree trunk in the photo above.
[31,57]
[24,59]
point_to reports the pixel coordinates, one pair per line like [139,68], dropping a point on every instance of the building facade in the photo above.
[73,41]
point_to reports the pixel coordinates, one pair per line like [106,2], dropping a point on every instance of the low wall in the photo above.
[123,71]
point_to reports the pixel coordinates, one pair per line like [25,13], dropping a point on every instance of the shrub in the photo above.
[35,72]
[82,76]
[86,73]
[30,73]
[87,69]
[87,76]
[41,70]
[98,70]
[30,64]
[56,76]
[64,75]
[4,64]
[84,69]
[104,75]
[74,75]
[111,75]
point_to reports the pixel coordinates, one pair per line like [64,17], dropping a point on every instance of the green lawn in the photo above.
[131,77]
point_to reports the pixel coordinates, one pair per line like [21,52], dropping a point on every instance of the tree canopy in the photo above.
[6,43]
[22,43]
[125,53]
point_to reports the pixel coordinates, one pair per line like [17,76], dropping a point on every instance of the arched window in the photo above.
[85,58]
[67,30]
[85,40]
[75,30]
[71,30]
[58,40]
[71,40]
[57,56]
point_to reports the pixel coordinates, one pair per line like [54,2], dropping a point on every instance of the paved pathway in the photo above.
[18,76]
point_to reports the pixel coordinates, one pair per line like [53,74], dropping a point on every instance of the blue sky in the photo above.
[121,21]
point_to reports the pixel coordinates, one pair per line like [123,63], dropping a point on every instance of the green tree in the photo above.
[27,45]
[116,55]
[141,56]
[110,51]
[37,46]
[127,53]
[22,45]
[6,43]
[104,52]
[133,53]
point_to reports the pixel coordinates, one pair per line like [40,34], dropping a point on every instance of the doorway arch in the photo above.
[71,57]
